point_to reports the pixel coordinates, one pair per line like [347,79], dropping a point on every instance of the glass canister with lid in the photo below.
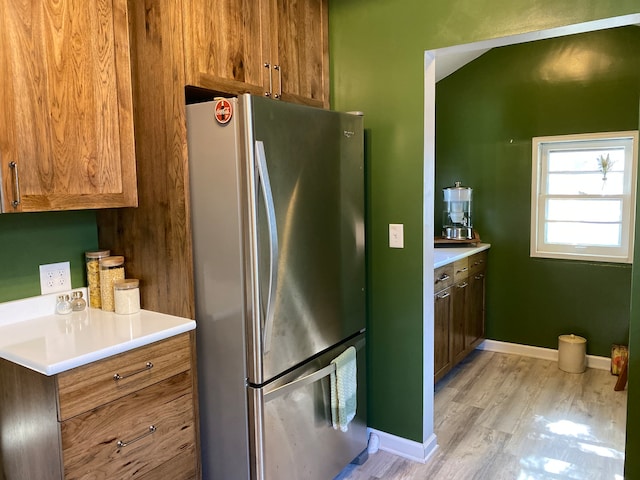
[93,276]
[127,296]
[111,270]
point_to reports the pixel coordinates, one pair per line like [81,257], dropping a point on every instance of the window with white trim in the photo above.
[583,196]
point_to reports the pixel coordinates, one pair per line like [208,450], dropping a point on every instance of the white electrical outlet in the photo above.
[55,277]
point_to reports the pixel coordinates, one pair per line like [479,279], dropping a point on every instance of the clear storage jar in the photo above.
[127,296]
[93,276]
[111,270]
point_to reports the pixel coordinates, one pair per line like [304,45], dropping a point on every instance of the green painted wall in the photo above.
[486,114]
[377,55]
[32,239]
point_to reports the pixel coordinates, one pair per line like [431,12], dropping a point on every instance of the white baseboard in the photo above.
[600,363]
[416,451]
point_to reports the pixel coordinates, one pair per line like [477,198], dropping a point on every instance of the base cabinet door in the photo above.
[459,318]
[474,329]
[131,436]
[441,338]
[459,311]
[149,433]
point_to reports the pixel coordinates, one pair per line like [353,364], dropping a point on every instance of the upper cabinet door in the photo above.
[66,125]
[224,45]
[300,51]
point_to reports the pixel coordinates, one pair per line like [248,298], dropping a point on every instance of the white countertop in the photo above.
[34,337]
[445,255]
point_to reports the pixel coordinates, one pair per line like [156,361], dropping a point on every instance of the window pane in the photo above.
[589,234]
[584,160]
[585,183]
[592,210]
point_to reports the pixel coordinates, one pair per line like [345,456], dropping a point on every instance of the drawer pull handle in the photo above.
[462,285]
[444,295]
[479,277]
[16,181]
[121,444]
[268,94]
[117,376]
[279,70]
[442,278]
[462,270]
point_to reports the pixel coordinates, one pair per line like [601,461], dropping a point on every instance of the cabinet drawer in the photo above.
[90,441]
[87,387]
[477,262]
[460,269]
[442,277]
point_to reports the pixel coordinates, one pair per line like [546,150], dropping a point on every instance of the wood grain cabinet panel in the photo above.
[300,51]
[442,331]
[89,386]
[224,45]
[66,123]
[130,437]
[276,48]
[474,329]
[459,311]
[155,419]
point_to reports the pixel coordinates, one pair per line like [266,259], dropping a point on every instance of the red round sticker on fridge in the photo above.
[224,111]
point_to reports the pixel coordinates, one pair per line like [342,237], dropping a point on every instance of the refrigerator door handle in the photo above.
[301,382]
[267,195]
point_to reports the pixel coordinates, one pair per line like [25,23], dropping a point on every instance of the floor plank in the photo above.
[506,417]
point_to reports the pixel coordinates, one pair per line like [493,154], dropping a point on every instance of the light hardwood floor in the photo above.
[500,416]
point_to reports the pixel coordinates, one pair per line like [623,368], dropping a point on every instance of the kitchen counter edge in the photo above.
[52,344]
[446,255]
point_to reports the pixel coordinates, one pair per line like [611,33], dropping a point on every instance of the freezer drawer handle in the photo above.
[117,376]
[301,382]
[122,444]
[267,195]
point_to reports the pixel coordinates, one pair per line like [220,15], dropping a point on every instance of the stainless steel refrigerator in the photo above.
[277,207]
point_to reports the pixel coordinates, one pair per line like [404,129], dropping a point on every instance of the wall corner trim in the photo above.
[599,363]
[409,449]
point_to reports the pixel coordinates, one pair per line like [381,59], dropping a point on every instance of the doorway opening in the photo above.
[439,64]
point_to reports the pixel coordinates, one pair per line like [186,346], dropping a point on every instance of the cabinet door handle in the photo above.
[16,199]
[122,443]
[462,285]
[279,70]
[268,94]
[148,366]
[442,278]
[444,295]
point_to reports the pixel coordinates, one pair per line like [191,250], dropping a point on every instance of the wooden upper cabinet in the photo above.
[224,45]
[276,48]
[66,125]
[300,51]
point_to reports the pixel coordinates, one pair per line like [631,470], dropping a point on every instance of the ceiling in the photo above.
[450,59]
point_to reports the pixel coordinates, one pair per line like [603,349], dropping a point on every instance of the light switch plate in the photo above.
[396,235]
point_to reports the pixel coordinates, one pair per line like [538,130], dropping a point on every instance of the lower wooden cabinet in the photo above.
[88,424]
[459,311]
[441,324]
